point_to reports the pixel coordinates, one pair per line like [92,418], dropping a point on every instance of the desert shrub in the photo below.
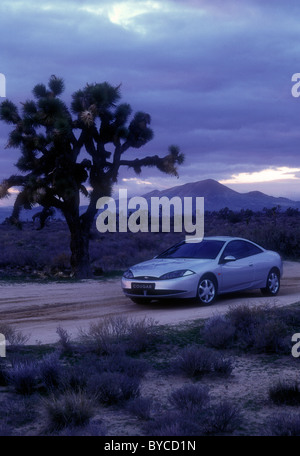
[241,316]
[142,335]
[24,376]
[270,336]
[264,328]
[130,387]
[289,315]
[3,373]
[107,335]
[91,429]
[190,398]
[17,411]
[67,410]
[124,364]
[218,332]
[204,419]
[285,392]
[284,424]
[246,319]
[223,418]
[195,361]
[64,340]
[106,388]
[12,336]
[50,371]
[119,334]
[173,424]
[113,387]
[73,378]
[222,366]
[140,407]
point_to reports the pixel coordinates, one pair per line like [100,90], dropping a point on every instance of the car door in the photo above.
[237,274]
[261,268]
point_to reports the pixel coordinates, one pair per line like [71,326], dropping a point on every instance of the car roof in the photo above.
[217,238]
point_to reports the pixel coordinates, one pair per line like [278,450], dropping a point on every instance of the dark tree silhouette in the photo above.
[51,137]
[43,216]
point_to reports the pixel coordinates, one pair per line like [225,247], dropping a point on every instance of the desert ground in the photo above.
[38,309]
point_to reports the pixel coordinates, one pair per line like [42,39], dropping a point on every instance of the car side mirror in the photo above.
[229,258]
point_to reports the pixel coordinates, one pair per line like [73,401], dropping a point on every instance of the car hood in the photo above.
[159,266]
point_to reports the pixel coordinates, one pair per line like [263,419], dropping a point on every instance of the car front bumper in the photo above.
[181,287]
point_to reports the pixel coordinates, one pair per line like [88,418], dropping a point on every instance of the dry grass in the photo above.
[83,392]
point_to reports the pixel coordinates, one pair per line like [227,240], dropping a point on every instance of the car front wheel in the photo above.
[207,290]
[273,284]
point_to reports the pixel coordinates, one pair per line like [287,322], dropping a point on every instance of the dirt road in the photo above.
[38,309]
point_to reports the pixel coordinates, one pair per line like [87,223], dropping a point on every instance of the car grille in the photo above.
[138,292]
[146,278]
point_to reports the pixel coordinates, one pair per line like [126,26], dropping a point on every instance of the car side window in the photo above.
[240,249]
[253,249]
[237,249]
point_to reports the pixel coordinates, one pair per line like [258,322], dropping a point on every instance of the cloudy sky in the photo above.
[215,75]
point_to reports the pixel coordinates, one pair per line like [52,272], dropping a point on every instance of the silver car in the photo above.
[203,270]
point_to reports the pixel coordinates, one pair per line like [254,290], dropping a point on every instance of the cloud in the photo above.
[126,13]
[215,76]
[265,175]
[137,181]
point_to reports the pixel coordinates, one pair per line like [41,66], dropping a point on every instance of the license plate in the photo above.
[143,286]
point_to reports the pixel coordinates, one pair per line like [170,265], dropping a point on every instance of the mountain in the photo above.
[217,196]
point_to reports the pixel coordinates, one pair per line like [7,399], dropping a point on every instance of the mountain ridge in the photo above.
[217,196]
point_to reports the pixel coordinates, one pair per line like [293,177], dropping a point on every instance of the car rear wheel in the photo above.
[207,289]
[273,283]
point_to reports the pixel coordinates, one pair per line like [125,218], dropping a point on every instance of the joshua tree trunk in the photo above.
[80,228]
[79,244]
[80,258]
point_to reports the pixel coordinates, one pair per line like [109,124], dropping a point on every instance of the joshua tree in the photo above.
[51,137]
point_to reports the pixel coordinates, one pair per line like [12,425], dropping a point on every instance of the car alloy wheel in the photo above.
[207,290]
[273,284]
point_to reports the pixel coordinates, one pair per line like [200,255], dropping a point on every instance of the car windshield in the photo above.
[204,250]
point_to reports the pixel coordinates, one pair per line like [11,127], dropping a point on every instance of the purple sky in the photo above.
[215,76]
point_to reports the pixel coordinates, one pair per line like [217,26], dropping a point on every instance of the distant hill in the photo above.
[217,196]
[26,216]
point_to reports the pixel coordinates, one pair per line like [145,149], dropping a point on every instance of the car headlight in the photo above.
[128,274]
[176,274]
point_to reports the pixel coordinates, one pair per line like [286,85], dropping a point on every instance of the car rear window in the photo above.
[204,250]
